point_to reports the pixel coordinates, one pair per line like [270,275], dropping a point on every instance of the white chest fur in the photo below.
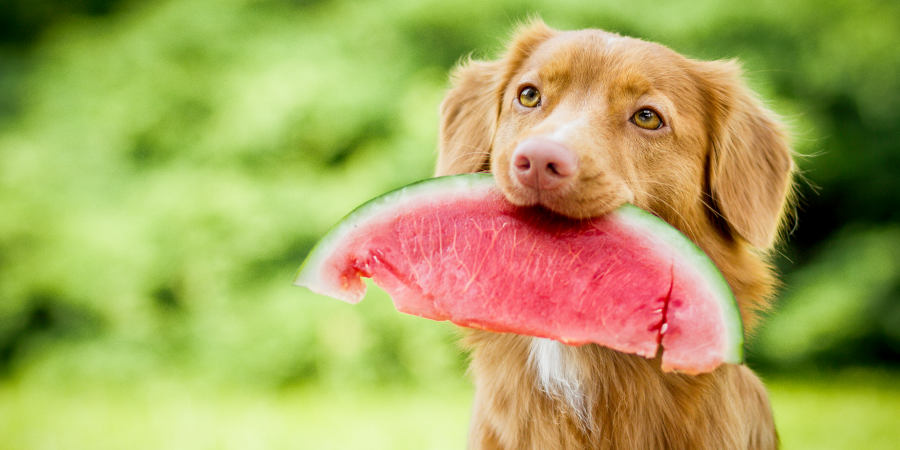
[558,374]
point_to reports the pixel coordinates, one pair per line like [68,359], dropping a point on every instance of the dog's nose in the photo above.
[543,164]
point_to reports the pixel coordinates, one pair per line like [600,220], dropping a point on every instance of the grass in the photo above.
[853,410]
[840,412]
[168,415]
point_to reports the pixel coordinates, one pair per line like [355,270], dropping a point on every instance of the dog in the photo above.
[580,122]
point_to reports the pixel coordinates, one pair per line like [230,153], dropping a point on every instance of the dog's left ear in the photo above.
[750,165]
[469,117]
[471,109]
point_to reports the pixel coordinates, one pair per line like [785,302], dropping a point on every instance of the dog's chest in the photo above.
[558,375]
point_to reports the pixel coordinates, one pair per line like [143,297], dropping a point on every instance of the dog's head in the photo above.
[581,122]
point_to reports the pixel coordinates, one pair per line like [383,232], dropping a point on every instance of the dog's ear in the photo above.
[750,164]
[469,115]
[470,111]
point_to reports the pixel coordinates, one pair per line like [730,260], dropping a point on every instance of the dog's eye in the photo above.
[647,119]
[529,97]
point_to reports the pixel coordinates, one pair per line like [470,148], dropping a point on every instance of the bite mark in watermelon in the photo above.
[452,248]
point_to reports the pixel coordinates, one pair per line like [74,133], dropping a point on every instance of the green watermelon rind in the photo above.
[309,273]
[698,259]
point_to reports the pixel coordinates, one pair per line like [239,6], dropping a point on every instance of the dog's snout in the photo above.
[543,164]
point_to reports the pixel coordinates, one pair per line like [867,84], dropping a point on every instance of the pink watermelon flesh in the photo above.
[454,249]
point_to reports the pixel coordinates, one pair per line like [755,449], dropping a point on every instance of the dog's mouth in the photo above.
[580,199]
[572,203]
[540,171]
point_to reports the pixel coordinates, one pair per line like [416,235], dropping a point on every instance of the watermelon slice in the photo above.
[452,248]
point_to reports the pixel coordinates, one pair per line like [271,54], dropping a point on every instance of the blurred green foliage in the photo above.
[166,165]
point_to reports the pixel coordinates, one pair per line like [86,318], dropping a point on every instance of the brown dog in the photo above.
[581,122]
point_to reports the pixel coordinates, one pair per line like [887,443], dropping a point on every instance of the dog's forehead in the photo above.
[593,54]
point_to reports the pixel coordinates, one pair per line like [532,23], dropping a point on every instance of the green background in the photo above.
[166,165]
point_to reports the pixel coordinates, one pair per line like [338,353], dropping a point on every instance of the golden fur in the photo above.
[719,170]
